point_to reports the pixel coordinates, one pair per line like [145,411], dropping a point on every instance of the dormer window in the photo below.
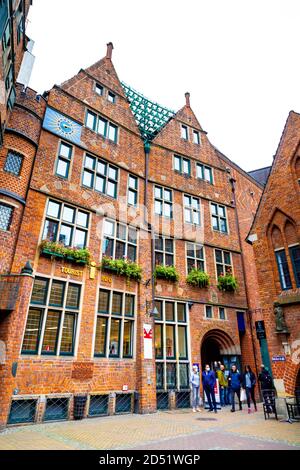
[184,132]
[196,137]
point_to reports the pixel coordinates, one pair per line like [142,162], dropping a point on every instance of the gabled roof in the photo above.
[261,175]
[150,116]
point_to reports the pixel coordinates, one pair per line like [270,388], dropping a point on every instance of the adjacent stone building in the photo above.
[275,236]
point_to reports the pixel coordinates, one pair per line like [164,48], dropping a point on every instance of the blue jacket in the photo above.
[235,380]
[208,379]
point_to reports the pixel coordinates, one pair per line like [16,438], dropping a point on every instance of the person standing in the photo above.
[234,381]
[209,381]
[249,381]
[266,383]
[195,384]
[223,384]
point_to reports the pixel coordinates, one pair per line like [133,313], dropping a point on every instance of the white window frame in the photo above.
[192,209]
[194,258]
[219,217]
[116,239]
[163,201]
[223,263]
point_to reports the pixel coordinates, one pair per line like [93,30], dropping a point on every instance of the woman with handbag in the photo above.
[248,384]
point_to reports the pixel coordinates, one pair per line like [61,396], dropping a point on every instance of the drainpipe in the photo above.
[147,215]
[233,183]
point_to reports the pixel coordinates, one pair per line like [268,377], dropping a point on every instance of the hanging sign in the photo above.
[148,337]
[260,329]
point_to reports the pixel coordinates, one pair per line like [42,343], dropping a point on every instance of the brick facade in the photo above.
[41,375]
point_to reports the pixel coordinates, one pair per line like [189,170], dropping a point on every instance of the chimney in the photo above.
[187,99]
[110,47]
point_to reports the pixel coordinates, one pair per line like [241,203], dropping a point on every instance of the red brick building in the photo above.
[108,175]
[275,236]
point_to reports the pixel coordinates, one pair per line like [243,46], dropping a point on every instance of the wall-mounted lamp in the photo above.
[154,313]
[190,304]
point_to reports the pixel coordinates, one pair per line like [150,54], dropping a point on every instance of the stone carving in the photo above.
[281,326]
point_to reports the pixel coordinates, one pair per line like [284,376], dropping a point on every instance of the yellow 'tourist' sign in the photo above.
[72,272]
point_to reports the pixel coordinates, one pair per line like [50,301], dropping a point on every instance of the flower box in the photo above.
[197,278]
[73,255]
[227,283]
[168,273]
[122,267]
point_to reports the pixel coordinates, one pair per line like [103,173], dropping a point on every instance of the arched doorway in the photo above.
[219,346]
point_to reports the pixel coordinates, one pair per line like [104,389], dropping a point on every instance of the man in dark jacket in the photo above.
[267,385]
[234,381]
[209,381]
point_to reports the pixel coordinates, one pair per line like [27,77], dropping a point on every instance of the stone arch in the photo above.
[223,340]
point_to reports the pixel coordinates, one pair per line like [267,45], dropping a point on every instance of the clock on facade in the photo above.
[62,126]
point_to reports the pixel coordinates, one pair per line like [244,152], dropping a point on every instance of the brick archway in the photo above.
[225,342]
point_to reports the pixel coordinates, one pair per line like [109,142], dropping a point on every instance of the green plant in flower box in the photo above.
[166,272]
[198,278]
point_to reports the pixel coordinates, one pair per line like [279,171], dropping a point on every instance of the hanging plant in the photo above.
[122,267]
[57,250]
[166,272]
[227,283]
[198,278]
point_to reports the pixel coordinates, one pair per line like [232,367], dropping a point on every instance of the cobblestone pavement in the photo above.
[180,429]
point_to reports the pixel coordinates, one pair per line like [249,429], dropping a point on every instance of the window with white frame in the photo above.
[115,324]
[164,251]
[223,262]
[52,318]
[194,256]
[191,209]
[119,240]
[66,224]
[219,219]
[64,160]
[208,311]
[184,132]
[222,313]
[171,345]
[6,213]
[204,172]
[102,126]
[132,190]
[163,201]
[182,165]
[100,176]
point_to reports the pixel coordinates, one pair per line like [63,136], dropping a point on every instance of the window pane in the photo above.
[186,167]
[57,294]
[116,308]
[219,257]
[184,132]
[102,126]
[89,162]
[199,252]
[215,223]
[101,333]
[196,137]
[214,209]
[200,265]
[208,174]
[129,305]
[88,179]
[53,209]
[50,231]
[68,334]
[222,313]
[158,332]
[181,316]
[111,97]
[167,195]
[220,270]
[132,235]
[113,173]
[159,244]
[82,219]
[182,344]
[200,171]
[132,197]
[51,332]
[73,296]
[177,163]
[109,228]
[108,247]
[132,182]
[120,250]
[131,253]
[65,235]
[223,225]
[171,375]
[112,189]
[169,306]
[103,305]
[169,260]
[187,201]
[121,231]
[159,258]
[158,305]
[62,168]
[99,90]
[114,338]
[127,338]
[283,269]
[91,120]
[188,216]
[191,264]
[196,218]
[190,249]
[167,210]
[160,376]
[32,331]
[101,167]
[169,245]
[68,214]
[39,292]
[170,341]
[112,134]
[158,192]
[184,376]
[100,184]
[222,212]
[227,257]
[80,239]
[195,203]
[208,311]
[65,151]
[13,163]
[158,207]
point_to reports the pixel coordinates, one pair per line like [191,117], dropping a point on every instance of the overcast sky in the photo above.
[239,59]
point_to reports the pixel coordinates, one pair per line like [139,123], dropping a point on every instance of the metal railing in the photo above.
[22,411]
[56,409]
[123,403]
[98,405]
